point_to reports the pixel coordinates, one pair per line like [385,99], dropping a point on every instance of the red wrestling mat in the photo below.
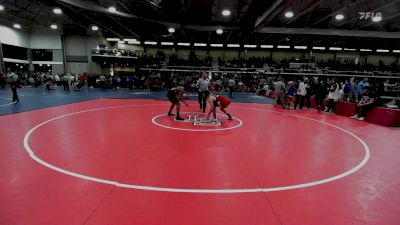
[126,162]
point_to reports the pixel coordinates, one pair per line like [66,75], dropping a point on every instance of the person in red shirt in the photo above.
[83,77]
[218,101]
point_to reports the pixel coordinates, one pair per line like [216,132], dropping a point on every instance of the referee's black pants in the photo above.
[203,99]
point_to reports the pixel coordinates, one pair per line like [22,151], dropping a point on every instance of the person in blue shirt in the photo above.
[347,90]
[360,87]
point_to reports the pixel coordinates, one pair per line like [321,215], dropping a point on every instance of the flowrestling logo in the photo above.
[370,15]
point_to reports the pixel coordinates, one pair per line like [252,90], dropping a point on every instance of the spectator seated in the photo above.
[378,115]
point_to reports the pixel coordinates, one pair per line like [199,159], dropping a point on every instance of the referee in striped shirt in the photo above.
[203,85]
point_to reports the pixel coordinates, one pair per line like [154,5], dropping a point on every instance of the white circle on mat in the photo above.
[195,190]
[11,103]
[154,120]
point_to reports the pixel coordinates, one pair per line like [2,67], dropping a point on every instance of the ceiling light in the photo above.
[121,42]
[396,51]
[250,46]
[349,49]
[226,12]
[300,47]
[133,42]
[95,28]
[130,39]
[339,17]
[382,50]
[1,8]
[266,46]
[57,11]
[53,26]
[200,44]
[183,44]
[233,45]
[376,19]
[365,50]
[171,30]
[17,26]
[289,14]
[335,48]
[48,64]
[112,39]
[150,43]
[319,48]
[283,46]
[167,43]
[216,45]
[219,31]
[112,9]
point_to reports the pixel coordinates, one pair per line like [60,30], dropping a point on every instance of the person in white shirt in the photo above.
[31,81]
[387,85]
[66,79]
[231,86]
[103,80]
[301,93]
[12,78]
[333,96]
[279,91]
[57,79]
[203,90]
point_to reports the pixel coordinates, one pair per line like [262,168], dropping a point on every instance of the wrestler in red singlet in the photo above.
[218,101]
[223,101]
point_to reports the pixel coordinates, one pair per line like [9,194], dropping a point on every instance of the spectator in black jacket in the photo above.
[320,93]
[366,103]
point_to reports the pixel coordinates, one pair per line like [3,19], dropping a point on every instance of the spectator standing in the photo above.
[353,92]
[347,90]
[291,93]
[83,79]
[3,79]
[333,96]
[114,83]
[279,91]
[301,93]
[320,93]
[130,82]
[310,91]
[57,79]
[66,82]
[231,86]
[72,80]
[12,78]
[103,82]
